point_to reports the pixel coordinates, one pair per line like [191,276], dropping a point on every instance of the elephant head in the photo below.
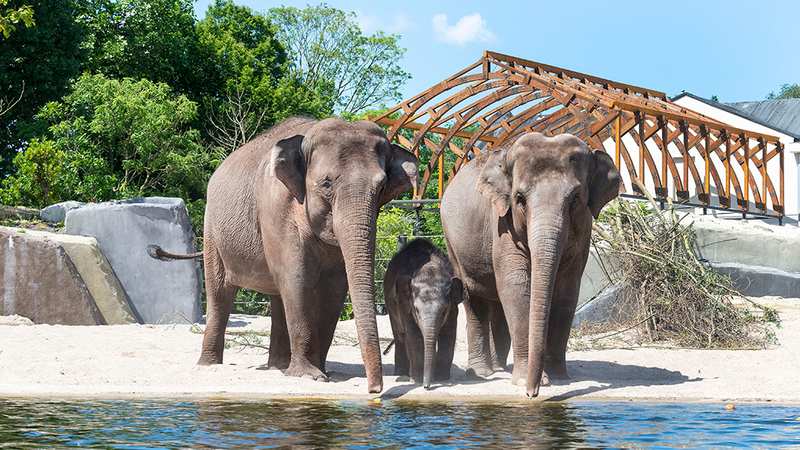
[341,174]
[548,188]
[434,295]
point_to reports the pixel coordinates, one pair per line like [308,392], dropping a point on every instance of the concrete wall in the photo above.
[161,292]
[761,259]
[59,279]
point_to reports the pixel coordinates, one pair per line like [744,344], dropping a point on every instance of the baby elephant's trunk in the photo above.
[429,337]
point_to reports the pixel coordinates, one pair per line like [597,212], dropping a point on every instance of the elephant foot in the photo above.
[209,359]
[557,370]
[305,370]
[479,372]
[442,375]
[403,378]
[520,380]
[497,367]
[279,363]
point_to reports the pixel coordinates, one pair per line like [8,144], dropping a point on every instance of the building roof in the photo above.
[784,114]
[781,115]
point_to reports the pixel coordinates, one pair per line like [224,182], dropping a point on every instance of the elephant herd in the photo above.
[293,212]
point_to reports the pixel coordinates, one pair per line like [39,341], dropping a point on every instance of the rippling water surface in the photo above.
[391,424]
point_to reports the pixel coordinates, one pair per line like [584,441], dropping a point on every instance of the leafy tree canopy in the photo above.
[251,87]
[39,63]
[331,54]
[112,139]
[11,16]
[786,91]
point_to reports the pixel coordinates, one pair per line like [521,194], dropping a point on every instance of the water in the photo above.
[391,424]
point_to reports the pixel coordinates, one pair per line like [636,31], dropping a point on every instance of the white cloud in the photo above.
[470,28]
[370,24]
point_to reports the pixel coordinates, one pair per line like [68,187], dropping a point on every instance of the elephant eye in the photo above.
[325,183]
[520,198]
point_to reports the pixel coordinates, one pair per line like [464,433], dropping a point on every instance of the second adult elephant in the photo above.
[518,222]
[292,214]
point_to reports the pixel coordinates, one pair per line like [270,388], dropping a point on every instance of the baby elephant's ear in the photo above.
[456,291]
[403,286]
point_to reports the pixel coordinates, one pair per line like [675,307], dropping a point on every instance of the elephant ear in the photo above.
[494,181]
[401,173]
[604,182]
[287,163]
[456,293]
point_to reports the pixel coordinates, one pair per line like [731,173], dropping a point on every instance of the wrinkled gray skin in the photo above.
[292,214]
[422,297]
[517,222]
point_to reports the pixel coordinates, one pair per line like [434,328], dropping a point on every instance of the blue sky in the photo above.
[737,50]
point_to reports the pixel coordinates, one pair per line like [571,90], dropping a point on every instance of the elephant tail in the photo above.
[388,347]
[160,254]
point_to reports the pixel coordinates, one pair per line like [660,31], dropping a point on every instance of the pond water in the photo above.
[391,424]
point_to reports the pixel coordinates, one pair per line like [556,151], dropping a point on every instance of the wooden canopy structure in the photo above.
[670,151]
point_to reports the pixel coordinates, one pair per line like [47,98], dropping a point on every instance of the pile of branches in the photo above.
[668,292]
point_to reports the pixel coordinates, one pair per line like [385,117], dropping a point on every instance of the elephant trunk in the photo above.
[545,240]
[429,339]
[356,235]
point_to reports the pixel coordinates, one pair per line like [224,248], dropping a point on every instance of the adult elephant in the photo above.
[292,214]
[518,223]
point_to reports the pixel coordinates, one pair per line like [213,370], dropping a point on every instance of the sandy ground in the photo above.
[159,361]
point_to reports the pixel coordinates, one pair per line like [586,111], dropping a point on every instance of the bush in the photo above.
[674,296]
[112,139]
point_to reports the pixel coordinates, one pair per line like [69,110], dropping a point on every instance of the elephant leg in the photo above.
[562,311]
[401,365]
[501,339]
[303,322]
[332,294]
[445,347]
[279,351]
[415,350]
[514,288]
[219,303]
[479,352]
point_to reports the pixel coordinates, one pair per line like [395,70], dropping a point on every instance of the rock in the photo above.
[59,279]
[161,292]
[758,281]
[58,212]
[607,307]
[15,320]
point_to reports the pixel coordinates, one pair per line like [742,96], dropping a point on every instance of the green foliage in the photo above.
[11,16]
[39,62]
[786,91]
[119,139]
[249,88]
[332,56]
[152,39]
[37,168]
[251,302]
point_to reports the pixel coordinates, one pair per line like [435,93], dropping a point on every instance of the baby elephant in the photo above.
[422,297]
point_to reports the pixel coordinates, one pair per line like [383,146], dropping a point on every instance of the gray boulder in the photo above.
[58,212]
[606,308]
[161,292]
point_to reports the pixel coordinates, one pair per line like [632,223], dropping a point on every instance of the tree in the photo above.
[44,58]
[11,16]
[152,39]
[251,87]
[112,139]
[786,91]
[331,55]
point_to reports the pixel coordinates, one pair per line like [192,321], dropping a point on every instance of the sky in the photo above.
[737,50]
